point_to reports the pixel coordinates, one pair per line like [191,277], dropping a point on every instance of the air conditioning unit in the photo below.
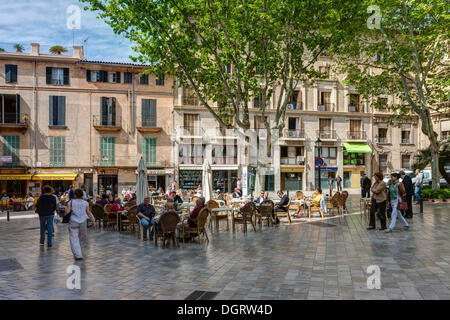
[321,107]
[405,140]
[351,108]
[290,106]
[292,133]
[300,159]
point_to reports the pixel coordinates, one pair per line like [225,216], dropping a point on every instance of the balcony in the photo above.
[224,160]
[191,131]
[149,126]
[356,135]
[197,160]
[294,133]
[326,134]
[326,107]
[299,160]
[12,121]
[107,123]
[354,108]
[294,105]
[406,141]
[382,140]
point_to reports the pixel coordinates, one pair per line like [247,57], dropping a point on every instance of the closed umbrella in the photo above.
[207,181]
[141,182]
[258,187]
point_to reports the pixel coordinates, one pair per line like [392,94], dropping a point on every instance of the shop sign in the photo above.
[6,159]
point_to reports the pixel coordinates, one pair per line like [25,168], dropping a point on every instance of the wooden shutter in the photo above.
[103,76]
[61,111]
[51,104]
[10,73]
[66,76]
[49,75]
[118,77]
[153,113]
[17,108]
[88,75]
[145,112]
[1,108]
[103,111]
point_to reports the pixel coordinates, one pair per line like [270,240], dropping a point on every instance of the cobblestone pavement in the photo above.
[303,260]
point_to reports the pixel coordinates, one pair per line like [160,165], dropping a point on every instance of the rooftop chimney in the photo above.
[35,49]
[78,52]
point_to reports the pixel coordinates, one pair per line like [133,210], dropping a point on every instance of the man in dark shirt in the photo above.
[366,184]
[282,205]
[45,207]
[145,212]
[407,183]
[103,200]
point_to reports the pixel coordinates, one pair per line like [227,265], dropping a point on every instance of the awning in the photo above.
[15,176]
[45,176]
[357,147]
[291,169]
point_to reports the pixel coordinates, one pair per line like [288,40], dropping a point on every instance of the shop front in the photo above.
[354,161]
[59,182]
[108,181]
[190,179]
[225,180]
[159,178]
[14,183]
[291,179]
[325,174]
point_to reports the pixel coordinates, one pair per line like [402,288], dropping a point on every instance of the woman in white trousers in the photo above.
[396,193]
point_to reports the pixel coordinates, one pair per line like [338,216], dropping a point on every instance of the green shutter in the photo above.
[107,151]
[11,147]
[61,111]
[57,151]
[1,108]
[51,103]
[66,75]
[149,151]
[49,75]
[152,113]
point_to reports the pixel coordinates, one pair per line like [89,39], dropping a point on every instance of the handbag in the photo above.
[402,205]
[66,218]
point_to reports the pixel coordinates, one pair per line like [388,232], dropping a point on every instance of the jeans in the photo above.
[46,225]
[145,225]
[365,192]
[339,187]
[395,213]
[417,193]
[78,237]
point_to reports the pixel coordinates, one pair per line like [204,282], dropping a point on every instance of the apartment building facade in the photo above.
[66,120]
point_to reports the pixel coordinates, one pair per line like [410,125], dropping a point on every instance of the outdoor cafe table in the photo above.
[224,209]
[119,215]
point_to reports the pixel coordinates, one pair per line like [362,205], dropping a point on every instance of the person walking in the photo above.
[70,193]
[379,198]
[330,183]
[366,184]
[45,207]
[396,194]
[407,183]
[339,183]
[418,186]
[80,212]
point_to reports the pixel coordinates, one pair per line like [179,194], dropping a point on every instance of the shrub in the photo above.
[436,194]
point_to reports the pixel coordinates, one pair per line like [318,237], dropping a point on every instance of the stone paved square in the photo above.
[298,261]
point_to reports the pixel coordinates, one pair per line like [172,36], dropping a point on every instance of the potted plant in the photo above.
[2,50]
[19,47]
[57,49]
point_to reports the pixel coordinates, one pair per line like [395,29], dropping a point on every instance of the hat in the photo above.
[401,172]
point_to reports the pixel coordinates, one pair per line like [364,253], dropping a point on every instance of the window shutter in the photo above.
[103,76]
[66,76]
[8,71]
[14,73]
[88,75]
[127,77]
[113,110]
[153,113]
[50,110]
[61,111]
[103,110]
[145,112]
[17,107]
[49,75]
[118,77]
[1,108]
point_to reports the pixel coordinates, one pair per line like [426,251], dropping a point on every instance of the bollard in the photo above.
[7,215]
[421,205]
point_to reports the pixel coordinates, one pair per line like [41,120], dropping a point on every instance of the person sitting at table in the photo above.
[167,207]
[103,200]
[190,222]
[115,207]
[237,193]
[145,213]
[30,201]
[282,205]
[178,200]
[133,197]
[261,198]
[316,197]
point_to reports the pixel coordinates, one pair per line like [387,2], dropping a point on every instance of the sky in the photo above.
[45,22]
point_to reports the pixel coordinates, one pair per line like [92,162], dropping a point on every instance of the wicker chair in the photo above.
[194,199]
[108,221]
[315,209]
[245,215]
[265,212]
[200,229]
[298,196]
[334,203]
[168,223]
[343,202]
[99,213]
[129,204]
[131,221]
[216,216]
[284,214]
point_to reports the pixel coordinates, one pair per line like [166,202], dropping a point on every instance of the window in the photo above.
[381,104]
[293,123]
[108,111]
[383,162]
[10,108]
[445,135]
[11,147]
[269,182]
[325,101]
[114,77]
[355,125]
[295,101]
[57,76]
[328,154]
[149,151]
[354,103]
[148,112]
[257,101]
[382,134]
[107,151]
[405,136]
[10,73]
[57,150]
[189,96]
[405,161]
[57,111]
[325,70]
[144,79]
[160,79]
[325,124]
[351,158]
[102,76]
[191,124]
[127,77]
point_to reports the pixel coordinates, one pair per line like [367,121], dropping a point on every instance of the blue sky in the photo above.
[45,22]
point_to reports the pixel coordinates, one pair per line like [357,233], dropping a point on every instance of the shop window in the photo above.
[269,182]
[352,158]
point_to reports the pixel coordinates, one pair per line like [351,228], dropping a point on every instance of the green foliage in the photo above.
[267,44]
[19,47]
[423,159]
[2,50]
[57,49]
[436,194]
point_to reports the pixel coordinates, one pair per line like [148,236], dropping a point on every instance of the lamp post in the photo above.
[319,149]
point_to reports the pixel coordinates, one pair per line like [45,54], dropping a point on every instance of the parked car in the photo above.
[426,177]
[408,172]
[442,180]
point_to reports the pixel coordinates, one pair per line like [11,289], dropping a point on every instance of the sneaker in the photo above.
[49,246]
[371,228]
[381,229]
[406,227]
[388,230]
[41,243]
[78,259]
[144,239]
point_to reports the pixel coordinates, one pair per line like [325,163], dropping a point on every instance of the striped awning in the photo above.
[48,176]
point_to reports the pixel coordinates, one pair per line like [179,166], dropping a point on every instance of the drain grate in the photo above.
[201,295]
[322,224]
[10,264]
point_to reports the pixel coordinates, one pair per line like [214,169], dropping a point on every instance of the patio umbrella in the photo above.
[206,181]
[141,182]
[258,187]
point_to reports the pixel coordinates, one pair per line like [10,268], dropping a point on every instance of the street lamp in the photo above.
[319,149]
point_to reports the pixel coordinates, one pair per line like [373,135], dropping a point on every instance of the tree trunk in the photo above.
[435,164]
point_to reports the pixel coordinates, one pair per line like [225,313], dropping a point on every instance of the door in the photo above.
[347,179]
